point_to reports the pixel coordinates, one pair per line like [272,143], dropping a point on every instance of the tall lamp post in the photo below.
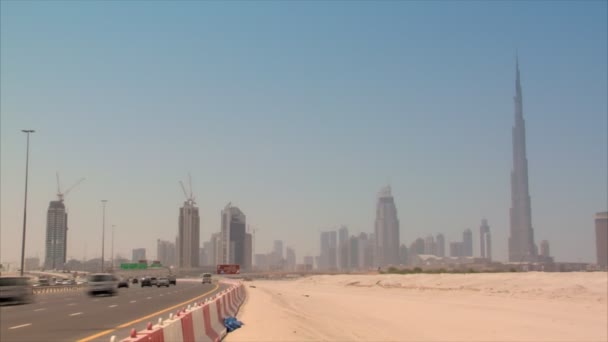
[27,160]
[113,246]
[103,232]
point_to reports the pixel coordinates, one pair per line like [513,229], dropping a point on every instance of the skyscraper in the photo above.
[235,249]
[601,239]
[456,249]
[165,252]
[56,235]
[139,254]
[353,253]
[329,248]
[277,249]
[290,259]
[386,230]
[485,244]
[521,238]
[429,245]
[188,235]
[343,246]
[467,243]
[440,245]
[544,249]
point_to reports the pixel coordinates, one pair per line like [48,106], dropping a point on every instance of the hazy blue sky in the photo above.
[298,113]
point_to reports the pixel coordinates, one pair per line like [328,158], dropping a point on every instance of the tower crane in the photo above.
[62,194]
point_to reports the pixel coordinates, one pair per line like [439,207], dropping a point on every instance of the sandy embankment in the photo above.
[423,307]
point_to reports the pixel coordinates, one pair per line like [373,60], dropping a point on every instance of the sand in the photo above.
[423,307]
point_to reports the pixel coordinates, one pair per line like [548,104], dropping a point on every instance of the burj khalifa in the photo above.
[521,237]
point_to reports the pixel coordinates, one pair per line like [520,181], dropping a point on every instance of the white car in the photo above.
[102,283]
[162,282]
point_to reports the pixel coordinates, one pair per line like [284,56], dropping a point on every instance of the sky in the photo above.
[299,113]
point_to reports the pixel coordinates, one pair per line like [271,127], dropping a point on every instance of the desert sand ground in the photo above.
[425,307]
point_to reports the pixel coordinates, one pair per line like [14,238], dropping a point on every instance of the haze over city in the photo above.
[299,119]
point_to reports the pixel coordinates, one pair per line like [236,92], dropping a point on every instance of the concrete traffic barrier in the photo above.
[201,321]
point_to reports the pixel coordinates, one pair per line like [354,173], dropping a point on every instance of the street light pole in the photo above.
[27,161]
[103,232]
[113,246]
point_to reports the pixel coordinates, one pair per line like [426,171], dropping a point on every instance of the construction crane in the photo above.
[62,194]
[189,196]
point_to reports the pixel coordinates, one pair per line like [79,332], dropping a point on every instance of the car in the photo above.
[146,282]
[102,283]
[162,282]
[172,279]
[123,283]
[134,281]
[153,280]
[16,290]
[207,278]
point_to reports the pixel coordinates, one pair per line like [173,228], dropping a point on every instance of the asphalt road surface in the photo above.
[74,316]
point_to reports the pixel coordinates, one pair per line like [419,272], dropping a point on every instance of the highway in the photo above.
[74,316]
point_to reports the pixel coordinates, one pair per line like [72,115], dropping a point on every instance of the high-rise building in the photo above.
[309,260]
[485,242]
[290,259]
[165,252]
[353,253]
[329,248]
[467,243]
[601,239]
[521,237]
[214,249]
[139,254]
[416,248]
[429,245]
[248,253]
[188,235]
[343,246]
[403,254]
[277,248]
[238,249]
[440,245]
[544,249]
[386,230]
[456,249]
[366,251]
[56,235]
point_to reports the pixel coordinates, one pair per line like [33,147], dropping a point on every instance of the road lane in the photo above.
[52,319]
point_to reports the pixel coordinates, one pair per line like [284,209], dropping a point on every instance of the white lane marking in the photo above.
[113,306]
[161,295]
[96,300]
[20,326]
[40,309]
[76,314]
[133,301]
[71,304]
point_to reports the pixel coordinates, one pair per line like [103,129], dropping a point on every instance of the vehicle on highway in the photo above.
[135,281]
[43,282]
[16,290]
[162,282]
[102,283]
[123,283]
[146,282]
[207,278]
[153,280]
[172,279]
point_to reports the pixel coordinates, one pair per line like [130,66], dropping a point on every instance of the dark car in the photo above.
[146,282]
[135,281]
[123,283]
[172,279]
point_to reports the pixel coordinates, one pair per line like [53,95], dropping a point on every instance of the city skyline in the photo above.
[318,117]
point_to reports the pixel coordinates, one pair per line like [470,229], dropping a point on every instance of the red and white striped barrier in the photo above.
[203,321]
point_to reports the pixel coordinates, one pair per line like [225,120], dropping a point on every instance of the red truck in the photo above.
[228,269]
